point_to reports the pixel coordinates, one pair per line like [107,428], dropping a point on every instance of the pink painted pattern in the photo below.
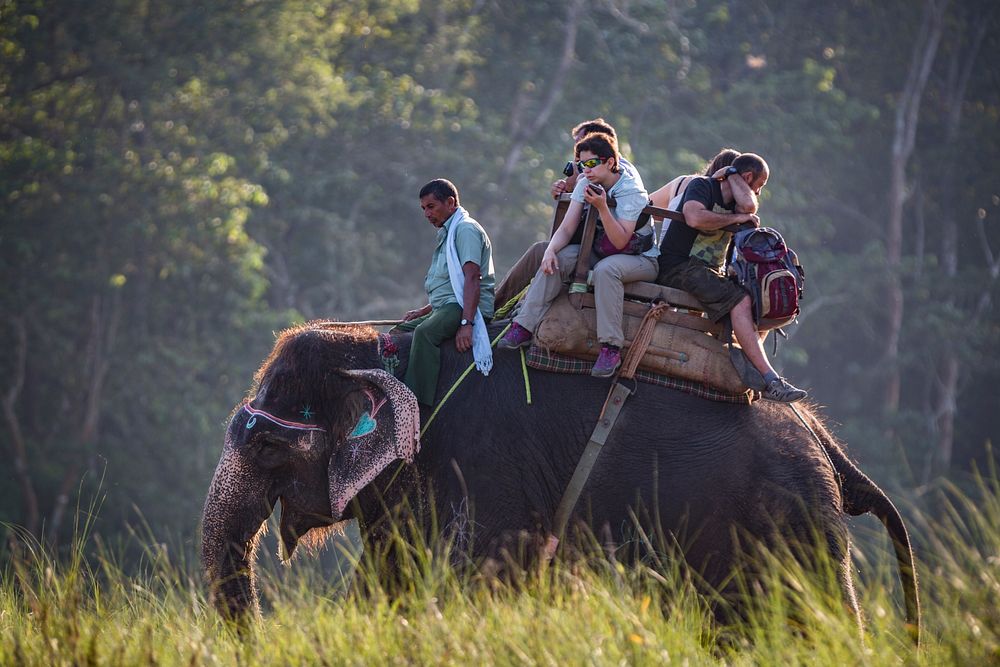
[373,452]
[298,426]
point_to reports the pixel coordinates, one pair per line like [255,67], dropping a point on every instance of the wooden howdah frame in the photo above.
[681,301]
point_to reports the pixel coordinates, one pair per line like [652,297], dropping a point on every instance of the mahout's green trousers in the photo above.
[429,332]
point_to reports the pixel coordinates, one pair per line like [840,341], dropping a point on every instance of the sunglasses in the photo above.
[591,163]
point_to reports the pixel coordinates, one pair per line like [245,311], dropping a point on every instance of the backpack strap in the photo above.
[734,244]
[779,331]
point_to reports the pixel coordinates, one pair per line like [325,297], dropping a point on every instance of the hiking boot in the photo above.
[782,391]
[607,362]
[517,336]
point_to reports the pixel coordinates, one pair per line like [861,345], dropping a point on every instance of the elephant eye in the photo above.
[272,455]
[268,448]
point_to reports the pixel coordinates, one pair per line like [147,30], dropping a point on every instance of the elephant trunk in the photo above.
[235,510]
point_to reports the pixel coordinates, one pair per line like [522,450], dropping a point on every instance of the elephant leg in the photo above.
[513,552]
[608,543]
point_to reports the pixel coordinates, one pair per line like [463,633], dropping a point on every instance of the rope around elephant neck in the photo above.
[503,312]
[524,372]
[457,382]
[437,409]
[402,464]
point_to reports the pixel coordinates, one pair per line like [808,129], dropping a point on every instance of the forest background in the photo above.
[180,180]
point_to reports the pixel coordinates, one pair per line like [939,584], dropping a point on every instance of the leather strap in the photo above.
[606,422]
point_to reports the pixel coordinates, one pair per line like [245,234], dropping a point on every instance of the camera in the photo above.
[568,170]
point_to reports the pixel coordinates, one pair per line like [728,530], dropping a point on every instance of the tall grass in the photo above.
[83,609]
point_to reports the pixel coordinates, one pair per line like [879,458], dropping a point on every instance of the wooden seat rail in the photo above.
[637,290]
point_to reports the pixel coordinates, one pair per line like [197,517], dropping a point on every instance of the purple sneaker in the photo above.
[607,363]
[517,336]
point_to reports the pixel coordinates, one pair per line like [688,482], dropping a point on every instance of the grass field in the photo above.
[84,610]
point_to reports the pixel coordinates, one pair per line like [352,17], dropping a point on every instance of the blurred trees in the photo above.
[128,269]
[180,179]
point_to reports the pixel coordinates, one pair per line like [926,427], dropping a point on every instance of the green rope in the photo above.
[402,464]
[524,371]
[509,306]
[458,382]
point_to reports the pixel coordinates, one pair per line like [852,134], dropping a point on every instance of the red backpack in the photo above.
[770,271]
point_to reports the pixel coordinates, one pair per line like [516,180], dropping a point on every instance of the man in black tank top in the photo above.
[693,258]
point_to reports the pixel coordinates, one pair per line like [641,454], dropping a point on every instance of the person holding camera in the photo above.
[525,268]
[618,249]
[571,171]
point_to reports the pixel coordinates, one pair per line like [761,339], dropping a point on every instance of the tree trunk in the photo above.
[522,132]
[904,138]
[104,319]
[19,451]
[946,408]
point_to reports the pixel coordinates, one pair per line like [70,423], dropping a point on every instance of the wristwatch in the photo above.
[730,171]
[464,322]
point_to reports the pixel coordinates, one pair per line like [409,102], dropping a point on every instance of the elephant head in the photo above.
[313,435]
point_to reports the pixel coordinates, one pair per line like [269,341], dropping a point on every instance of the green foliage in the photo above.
[125,237]
[178,180]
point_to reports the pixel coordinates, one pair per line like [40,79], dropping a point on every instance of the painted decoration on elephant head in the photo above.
[278,421]
[386,431]
[366,423]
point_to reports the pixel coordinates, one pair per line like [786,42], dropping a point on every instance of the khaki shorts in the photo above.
[717,293]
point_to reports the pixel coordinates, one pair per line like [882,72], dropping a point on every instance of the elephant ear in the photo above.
[388,429]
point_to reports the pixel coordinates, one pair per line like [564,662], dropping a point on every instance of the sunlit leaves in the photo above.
[223,166]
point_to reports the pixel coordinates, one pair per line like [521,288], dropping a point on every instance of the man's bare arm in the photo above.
[564,185]
[417,312]
[746,200]
[470,295]
[470,304]
[700,218]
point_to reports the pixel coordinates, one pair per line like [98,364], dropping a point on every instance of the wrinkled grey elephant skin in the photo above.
[326,440]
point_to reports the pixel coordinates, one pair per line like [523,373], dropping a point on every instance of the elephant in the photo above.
[326,430]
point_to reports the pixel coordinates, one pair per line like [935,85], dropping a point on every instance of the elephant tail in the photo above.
[861,495]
